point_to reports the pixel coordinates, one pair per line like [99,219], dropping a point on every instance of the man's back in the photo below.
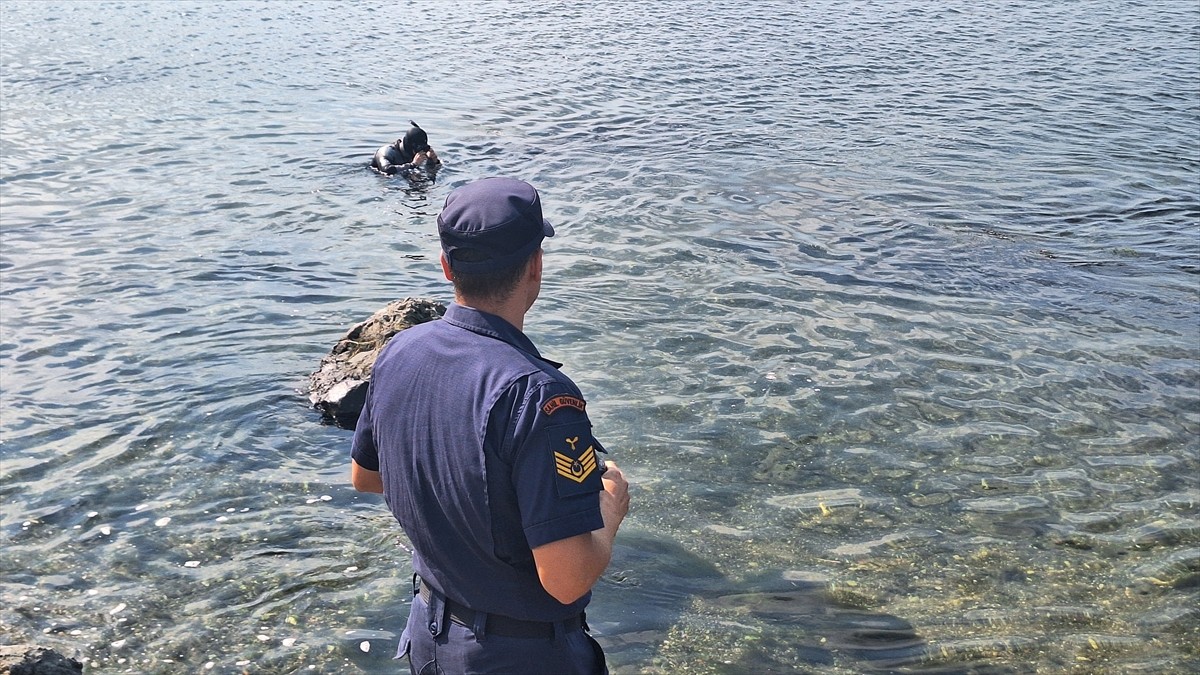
[455,412]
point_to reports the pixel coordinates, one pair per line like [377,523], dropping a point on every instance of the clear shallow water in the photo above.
[889,312]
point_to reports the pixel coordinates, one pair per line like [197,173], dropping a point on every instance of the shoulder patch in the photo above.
[559,402]
[573,451]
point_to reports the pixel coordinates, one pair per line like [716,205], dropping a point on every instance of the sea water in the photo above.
[890,311]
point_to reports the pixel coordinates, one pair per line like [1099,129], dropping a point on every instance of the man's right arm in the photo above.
[365,480]
[363,448]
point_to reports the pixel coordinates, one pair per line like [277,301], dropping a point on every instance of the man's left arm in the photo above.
[570,505]
[568,568]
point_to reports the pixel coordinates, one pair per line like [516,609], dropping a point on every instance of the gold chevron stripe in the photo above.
[588,456]
[565,466]
[588,459]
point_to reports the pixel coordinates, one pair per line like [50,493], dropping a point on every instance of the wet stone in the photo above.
[931,499]
[729,531]
[32,660]
[57,582]
[338,388]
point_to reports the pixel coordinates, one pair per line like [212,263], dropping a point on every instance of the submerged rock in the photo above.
[31,660]
[339,387]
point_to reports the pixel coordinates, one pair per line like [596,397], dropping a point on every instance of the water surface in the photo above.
[889,312]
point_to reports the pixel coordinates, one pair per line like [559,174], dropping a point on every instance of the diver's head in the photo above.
[416,140]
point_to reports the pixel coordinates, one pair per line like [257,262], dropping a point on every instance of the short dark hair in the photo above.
[493,285]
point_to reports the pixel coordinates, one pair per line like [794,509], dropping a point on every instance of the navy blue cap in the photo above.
[492,224]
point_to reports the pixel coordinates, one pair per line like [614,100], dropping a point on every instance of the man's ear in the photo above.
[535,267]
[446,267]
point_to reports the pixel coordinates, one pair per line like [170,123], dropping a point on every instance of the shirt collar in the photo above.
[492,326]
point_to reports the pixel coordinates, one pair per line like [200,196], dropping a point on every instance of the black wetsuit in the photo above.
[398,157]
[392,159]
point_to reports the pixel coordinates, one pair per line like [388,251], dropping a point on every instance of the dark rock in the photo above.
[339,387]
[31,660]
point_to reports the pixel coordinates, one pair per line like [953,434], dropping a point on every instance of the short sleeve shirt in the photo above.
[486,451]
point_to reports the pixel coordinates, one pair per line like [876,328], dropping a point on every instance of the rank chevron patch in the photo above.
[572,468]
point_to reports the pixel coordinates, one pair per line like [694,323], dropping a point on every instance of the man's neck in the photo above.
[510,311]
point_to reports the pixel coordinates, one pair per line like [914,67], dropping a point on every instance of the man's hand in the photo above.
[614,500]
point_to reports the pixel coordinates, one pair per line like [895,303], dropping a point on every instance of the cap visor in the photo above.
[547,228]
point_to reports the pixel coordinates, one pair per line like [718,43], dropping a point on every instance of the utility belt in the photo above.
[497,624]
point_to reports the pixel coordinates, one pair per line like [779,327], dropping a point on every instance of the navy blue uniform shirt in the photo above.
[486,452]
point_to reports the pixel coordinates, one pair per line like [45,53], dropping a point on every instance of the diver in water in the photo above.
[406,154]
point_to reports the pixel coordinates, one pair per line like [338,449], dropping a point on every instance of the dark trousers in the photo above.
[452,649]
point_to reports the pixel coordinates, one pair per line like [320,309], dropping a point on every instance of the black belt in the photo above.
[499,624]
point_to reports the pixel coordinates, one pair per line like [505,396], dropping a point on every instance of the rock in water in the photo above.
[339,387]
[31,660]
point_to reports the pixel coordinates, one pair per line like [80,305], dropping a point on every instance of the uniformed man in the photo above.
[484,453]
[406,154]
